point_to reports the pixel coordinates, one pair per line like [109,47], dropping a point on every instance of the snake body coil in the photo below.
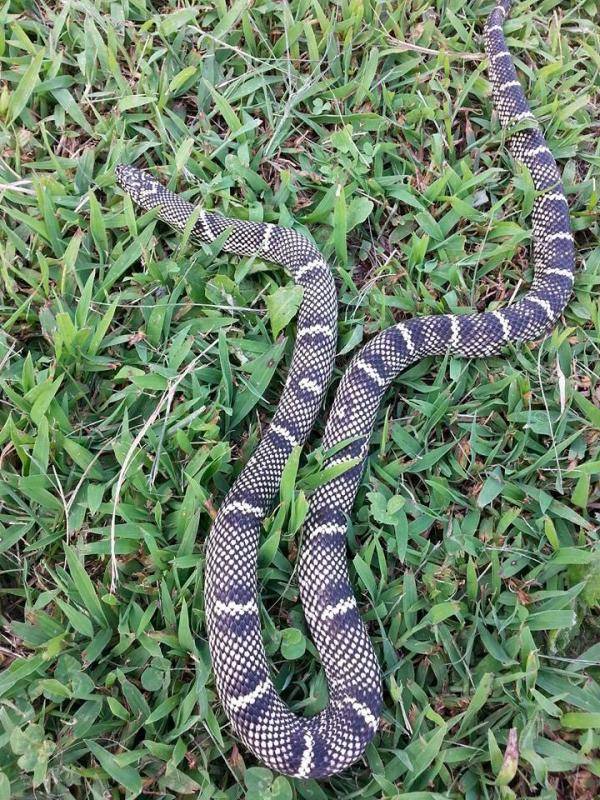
[335,738]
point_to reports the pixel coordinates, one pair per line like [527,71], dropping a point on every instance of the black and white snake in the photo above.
[335,738]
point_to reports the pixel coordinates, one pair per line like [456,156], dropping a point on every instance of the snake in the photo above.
[333,739]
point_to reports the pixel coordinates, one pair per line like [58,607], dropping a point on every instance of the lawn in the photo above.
[137,371]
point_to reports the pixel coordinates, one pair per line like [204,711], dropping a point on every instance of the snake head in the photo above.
[141,187]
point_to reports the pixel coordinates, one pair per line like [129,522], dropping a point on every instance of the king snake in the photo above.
[324,744]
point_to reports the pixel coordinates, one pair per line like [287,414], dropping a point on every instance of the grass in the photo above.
[137,371]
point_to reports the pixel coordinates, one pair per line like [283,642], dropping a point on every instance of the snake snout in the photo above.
[121,173]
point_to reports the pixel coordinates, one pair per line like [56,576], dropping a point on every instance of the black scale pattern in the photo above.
[335,738]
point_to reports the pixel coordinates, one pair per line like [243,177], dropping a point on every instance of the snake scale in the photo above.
[324,744]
